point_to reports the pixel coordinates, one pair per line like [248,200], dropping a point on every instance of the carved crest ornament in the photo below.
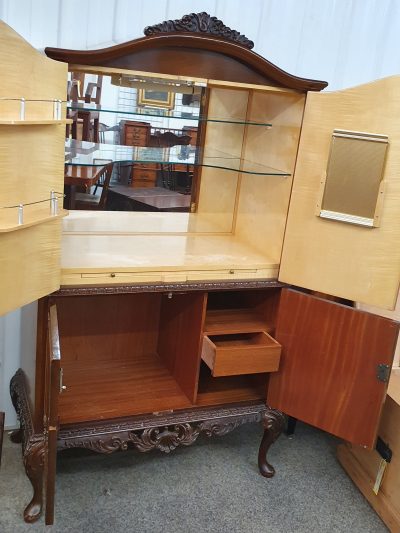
[200,23]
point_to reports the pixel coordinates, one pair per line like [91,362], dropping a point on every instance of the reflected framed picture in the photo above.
[151,98]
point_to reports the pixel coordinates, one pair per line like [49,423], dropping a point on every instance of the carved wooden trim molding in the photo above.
[33,445]
[169,287]
[200,23]
[164,433]
[21,405]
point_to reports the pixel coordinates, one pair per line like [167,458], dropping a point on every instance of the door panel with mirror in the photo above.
[353,178]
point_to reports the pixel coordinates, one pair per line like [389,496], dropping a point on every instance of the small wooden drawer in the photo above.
[136,133]
[143,183]
[242,353]
[146,166]
[144,174]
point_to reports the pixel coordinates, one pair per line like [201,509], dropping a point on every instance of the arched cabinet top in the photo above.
[196,46]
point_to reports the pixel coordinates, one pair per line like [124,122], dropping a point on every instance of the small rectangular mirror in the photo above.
[353,187]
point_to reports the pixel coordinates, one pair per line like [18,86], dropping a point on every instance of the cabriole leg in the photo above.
[34,462]
[33,445]
[273,422]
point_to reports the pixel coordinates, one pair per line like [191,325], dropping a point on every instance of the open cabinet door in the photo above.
[32,137]
[334,366]
[53,383]
[341,257]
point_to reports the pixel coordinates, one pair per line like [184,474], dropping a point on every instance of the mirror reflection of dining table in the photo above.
[85,160]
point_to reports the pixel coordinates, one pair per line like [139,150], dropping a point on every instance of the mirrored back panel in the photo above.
[148,129]
[151,143]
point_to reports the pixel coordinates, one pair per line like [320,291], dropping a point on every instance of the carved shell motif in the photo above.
[165,439]
[200,23]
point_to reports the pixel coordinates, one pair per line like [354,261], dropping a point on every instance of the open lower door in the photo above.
[32,137]
[343,230]
[334,366]
[53,383]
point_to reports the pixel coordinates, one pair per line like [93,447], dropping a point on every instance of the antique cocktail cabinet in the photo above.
[156,327]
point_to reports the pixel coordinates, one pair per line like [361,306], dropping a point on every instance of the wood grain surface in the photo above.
[118,388]
[363,465]
[179,341]
[31,166]
[329,360]
[354,262]
[248,353]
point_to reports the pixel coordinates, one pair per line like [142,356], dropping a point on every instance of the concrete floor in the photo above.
[212,486]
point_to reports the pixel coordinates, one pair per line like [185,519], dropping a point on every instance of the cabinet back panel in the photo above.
[219,188]
[98,328]
[229,389]
[264,200]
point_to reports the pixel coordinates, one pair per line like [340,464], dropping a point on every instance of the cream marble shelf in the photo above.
[108,257]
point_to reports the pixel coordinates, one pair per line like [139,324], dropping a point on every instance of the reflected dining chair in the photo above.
[91,200]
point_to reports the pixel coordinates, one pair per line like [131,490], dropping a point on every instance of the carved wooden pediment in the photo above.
[197,45]
[200,23]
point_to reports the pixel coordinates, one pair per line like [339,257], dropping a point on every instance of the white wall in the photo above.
[345,42]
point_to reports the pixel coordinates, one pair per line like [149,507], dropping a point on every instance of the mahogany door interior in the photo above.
[329,364]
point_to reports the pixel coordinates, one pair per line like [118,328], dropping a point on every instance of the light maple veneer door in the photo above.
[334,257]
[329,362]
[32,138]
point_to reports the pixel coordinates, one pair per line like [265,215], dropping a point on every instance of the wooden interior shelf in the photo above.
[141,384]
[216,391]
[227,321]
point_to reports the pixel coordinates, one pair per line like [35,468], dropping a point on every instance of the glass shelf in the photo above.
[31,111]
[160,113]
[44,122]
[18,216]
[82,153]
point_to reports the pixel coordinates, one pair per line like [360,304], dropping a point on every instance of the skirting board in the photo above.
[381,505]
[362,467]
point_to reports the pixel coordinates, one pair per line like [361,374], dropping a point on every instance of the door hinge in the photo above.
[383,372]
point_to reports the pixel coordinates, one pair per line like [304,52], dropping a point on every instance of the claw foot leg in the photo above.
[34,464]
[273,422]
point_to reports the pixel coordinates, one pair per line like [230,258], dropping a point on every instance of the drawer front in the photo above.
[136,140]
[136,135]
[146,166]
[144,172]
[144,184]
[246,353]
